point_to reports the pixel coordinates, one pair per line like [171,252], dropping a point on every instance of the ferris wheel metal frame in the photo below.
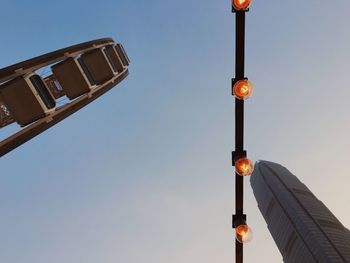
[60,113]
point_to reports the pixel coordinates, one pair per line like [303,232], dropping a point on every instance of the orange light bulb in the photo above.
[244,234]
[242,230]
[244,166]
[242,89]
[241,4]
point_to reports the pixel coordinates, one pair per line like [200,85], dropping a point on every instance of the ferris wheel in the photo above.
[40,92]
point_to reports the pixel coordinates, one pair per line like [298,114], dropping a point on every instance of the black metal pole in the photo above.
[239,105]
[239,119]
[240,43]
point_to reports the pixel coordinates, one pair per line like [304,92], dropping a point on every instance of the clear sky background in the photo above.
[143,174]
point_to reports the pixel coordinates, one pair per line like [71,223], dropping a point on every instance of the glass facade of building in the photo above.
[304,229]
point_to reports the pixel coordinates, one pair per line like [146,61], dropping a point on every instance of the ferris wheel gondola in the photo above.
[77,76]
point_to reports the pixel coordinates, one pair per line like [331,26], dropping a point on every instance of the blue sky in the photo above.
[143,174]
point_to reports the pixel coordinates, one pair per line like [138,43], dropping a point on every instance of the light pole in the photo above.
[241,89]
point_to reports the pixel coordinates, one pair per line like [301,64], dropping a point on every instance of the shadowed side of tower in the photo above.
[302,227]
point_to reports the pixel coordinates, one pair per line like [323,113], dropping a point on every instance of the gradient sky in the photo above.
[143,174]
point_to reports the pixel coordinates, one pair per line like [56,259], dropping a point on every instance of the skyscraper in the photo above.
[304,229]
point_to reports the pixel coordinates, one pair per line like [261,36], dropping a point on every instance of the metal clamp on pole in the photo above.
[238,155]
[238,220]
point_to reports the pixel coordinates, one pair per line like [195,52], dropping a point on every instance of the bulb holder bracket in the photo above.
[233,82]
[234,10]
[238,220]
[237,155]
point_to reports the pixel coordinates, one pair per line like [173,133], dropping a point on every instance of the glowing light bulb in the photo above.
[242,89]
[241,4]
[244,166]
[244,234]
